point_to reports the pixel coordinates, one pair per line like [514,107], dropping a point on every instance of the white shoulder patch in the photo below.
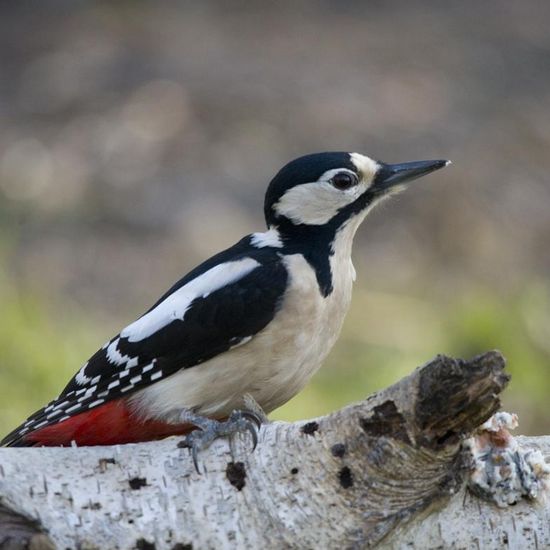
[269,238]
[176,305]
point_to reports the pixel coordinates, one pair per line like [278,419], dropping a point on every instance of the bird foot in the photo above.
[210,430]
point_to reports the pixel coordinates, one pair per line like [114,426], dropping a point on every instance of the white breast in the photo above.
[278,362]
[301,335]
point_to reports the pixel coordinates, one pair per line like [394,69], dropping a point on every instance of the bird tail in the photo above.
[109,424]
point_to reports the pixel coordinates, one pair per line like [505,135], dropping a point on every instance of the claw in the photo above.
[189,443]
[249,415]
[253,431]
[209,430]
[250,422]
[194,454]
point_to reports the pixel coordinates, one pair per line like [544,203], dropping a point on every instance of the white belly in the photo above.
[277,362]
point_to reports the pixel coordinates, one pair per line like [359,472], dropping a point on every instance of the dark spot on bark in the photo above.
[180,546]
[142,544]
[345,477]
[386,421]
[294,471]
[137,483]
[310,428]
[448,438]
[338,450]
[103,462]
[236,474]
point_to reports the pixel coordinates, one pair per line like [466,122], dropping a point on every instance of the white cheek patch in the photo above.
[316,203]
[176,305]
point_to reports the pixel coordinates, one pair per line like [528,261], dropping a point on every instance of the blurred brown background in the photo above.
[138,137]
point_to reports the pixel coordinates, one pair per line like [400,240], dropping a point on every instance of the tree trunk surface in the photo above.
[390,471]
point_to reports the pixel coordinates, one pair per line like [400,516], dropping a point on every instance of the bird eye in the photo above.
[344,180]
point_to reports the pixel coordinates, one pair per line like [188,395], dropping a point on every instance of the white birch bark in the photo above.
[389,472]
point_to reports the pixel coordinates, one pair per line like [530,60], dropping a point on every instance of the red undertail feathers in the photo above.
[109,424]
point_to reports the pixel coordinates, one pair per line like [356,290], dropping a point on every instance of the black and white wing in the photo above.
[218,306]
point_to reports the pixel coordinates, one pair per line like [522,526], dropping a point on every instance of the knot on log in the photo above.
[410,436]
[438,404]
[455,396]
[18,531]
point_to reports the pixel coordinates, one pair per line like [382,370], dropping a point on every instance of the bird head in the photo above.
[324,191]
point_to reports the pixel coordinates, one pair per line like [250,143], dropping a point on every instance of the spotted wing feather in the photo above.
[212,324]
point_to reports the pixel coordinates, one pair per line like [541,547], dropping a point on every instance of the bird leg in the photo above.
[251,405]
[209,430]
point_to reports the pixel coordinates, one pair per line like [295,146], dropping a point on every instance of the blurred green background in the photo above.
[137,138]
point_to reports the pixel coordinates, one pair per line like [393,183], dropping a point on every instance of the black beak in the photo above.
[390,175]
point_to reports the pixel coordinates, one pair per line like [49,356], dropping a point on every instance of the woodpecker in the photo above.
[241,333]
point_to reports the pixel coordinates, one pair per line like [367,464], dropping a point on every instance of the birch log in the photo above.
[389,472]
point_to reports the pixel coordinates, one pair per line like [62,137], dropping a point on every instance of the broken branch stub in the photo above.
[410,436]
